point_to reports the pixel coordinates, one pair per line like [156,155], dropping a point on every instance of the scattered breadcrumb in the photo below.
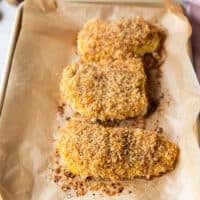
[74,185]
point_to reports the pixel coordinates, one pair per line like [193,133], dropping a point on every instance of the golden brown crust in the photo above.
[101,39]
[90,149]
[112,90]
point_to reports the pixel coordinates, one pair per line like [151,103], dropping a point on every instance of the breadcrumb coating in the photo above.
[90,149]
[112,90]
[103,39]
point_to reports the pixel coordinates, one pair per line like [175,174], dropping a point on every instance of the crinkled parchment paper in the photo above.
[46,44]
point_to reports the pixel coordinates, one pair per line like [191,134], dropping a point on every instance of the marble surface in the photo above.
[7,15]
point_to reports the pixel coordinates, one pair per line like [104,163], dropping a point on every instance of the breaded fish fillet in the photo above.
[90,149]
[114,90]
[100,39]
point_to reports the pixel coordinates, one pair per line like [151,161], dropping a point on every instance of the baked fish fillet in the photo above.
[103,39]
[90,149]
[110,90]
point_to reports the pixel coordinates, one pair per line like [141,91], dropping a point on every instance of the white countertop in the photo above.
[7,13]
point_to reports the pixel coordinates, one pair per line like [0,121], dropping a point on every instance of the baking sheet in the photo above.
[46,44]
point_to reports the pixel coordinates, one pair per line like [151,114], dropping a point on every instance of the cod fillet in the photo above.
[90,149]
[100,39]
[112,90]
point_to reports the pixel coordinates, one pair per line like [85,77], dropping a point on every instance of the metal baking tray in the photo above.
[12,47]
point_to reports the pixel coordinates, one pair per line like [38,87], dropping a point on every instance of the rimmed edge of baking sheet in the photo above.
[9,57]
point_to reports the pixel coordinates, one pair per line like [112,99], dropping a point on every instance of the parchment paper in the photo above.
[46,44]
